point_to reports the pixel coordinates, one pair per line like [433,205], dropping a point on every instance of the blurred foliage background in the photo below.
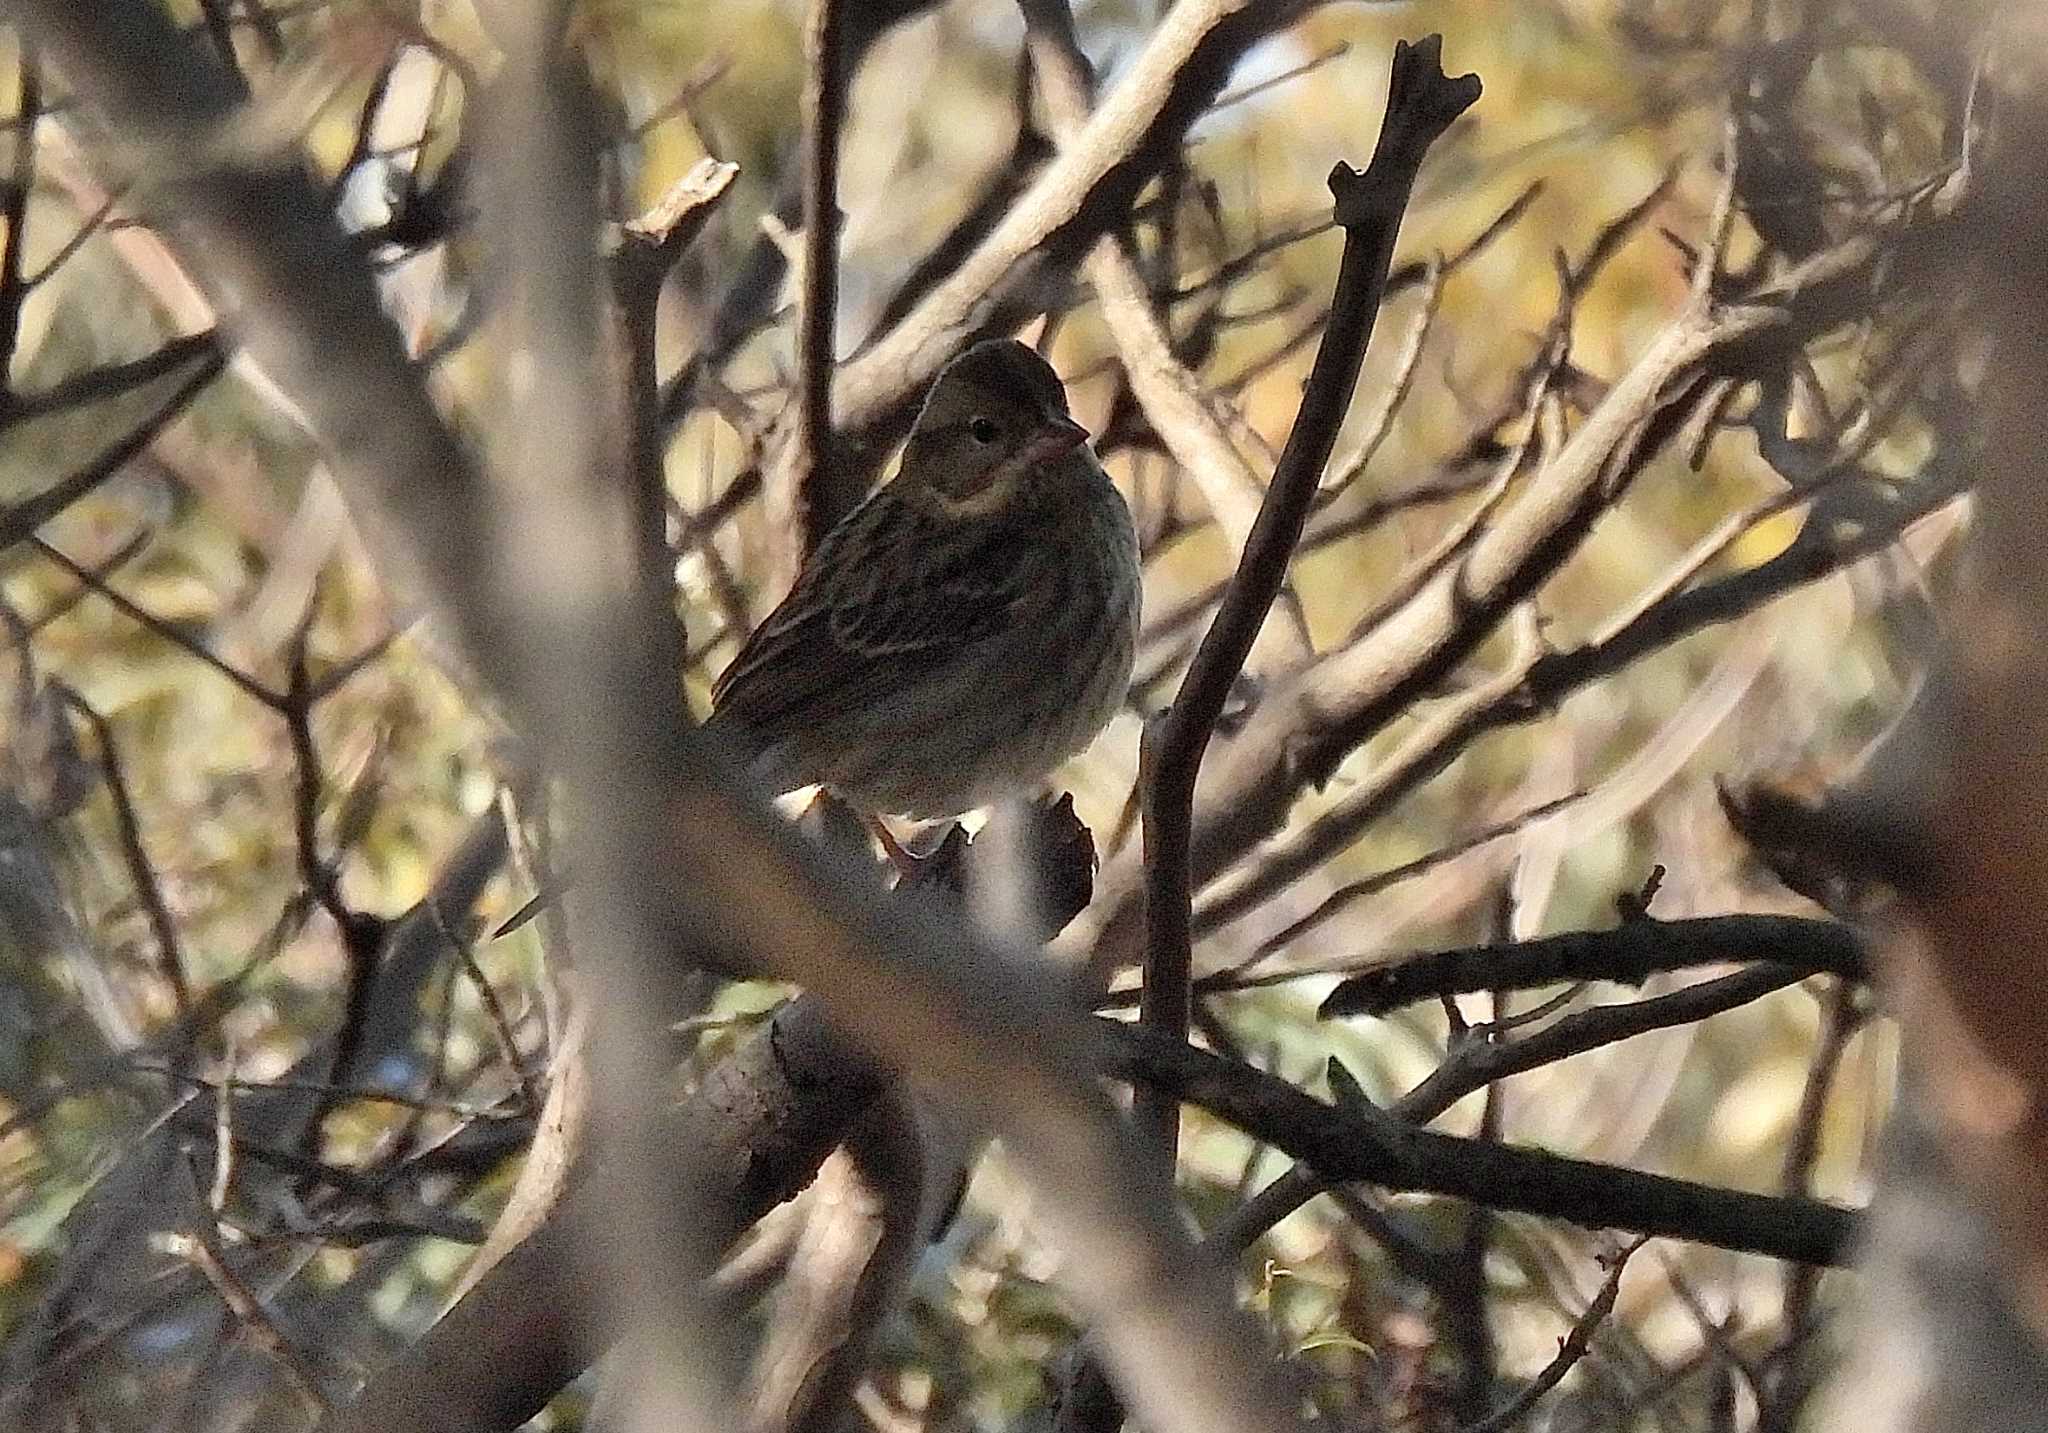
[224,534]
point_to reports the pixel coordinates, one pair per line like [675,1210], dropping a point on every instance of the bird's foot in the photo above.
[906,862]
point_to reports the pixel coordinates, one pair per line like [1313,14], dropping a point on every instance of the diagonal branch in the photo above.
[1079,197]
[1571,1348]
[1421,105]
[21,520]
[1171,396]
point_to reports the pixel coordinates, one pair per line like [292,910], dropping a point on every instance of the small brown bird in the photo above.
[966,628]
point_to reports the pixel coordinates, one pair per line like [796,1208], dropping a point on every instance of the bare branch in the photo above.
[1343,1145]
[818,499]
[1477,1062]
[1171,396]
[21,520]
[156,626]
[1079,197]
[202,1248]
[1571,1348]
[648,248]
[1421,104]
[141,870]
[1630,953]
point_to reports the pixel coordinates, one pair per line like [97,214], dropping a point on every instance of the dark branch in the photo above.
[21,520]
[1630,953]
[1342,1145]
[1482,1056]
[1422,102]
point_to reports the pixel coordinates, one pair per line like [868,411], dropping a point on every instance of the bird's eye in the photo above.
[984,430]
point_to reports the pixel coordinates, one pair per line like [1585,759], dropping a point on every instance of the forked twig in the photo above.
[1422,103]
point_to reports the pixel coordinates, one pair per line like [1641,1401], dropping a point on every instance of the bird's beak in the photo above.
[1058,436]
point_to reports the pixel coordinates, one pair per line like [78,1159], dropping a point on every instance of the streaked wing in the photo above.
[886,602]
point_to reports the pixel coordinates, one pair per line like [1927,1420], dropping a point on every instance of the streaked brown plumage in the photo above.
[965,629]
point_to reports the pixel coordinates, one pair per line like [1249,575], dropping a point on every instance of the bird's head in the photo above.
[996,418]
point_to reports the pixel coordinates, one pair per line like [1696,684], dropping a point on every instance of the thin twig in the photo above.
[103,570]
[361,933]
[1479,1061]
[141,870]
[1286,76]
[1462,1291]
[1406,366]
[375,1094]
[494,1009]
[1714,1332]
[1792,1382]
[158,627]
[347,670]
[308,785]
[707,73]
[20,521]
[87,227]
[1570,1349]
[1351,891]
[1457,539]
[202,1249]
